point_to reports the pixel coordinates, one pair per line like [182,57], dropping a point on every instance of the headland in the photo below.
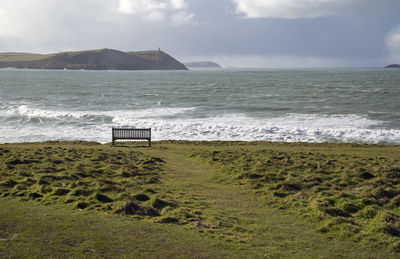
[102,59]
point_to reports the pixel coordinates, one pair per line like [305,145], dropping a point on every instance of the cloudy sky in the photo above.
[250,33]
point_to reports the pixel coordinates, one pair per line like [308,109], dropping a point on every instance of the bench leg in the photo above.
[149,142]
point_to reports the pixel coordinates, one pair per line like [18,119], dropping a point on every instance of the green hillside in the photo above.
[15,56]
[101,59]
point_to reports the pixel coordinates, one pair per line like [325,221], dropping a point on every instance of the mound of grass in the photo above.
[87,176]
[131,208]
[353,197]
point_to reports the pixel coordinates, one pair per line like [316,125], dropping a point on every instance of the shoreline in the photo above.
[209,142]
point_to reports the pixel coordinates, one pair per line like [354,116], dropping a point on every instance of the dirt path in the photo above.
[230,212]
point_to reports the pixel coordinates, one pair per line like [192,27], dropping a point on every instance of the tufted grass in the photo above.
[353,191]
[198,200]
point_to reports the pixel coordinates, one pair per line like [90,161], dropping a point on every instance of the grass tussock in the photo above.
[85,177]
[353,197]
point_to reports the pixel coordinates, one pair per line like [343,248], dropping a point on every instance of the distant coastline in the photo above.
[103,59]
[393,66]
[202,64]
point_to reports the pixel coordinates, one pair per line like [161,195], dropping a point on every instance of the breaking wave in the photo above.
[24,123]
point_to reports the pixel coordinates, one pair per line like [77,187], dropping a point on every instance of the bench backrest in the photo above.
[130,133]
[127,133]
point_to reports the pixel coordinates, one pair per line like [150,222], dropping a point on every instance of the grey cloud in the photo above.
[295,9]
[215,30]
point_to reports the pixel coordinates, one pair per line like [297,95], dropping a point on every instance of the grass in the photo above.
[354,195]
[84,178]
[199,200]
[32,230]
[150,55]
[13,56]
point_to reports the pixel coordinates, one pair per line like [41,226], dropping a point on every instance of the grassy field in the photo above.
[199,200]
[16,56]
[353,191]
[12,57]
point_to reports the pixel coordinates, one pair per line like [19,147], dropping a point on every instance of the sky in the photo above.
[238,33]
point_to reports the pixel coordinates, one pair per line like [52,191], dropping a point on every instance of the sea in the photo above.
[346,105]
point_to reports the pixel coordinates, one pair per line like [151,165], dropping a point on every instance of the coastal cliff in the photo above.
[103,59]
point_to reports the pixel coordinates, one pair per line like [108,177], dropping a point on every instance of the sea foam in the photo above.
[26,123]
[289,128]
[25,111]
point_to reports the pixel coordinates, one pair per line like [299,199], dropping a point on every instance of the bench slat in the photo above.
[130,133]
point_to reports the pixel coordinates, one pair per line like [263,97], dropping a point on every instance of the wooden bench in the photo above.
[131,133]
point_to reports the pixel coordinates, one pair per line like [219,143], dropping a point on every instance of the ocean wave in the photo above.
[168,123]
[289,128]
[29,112]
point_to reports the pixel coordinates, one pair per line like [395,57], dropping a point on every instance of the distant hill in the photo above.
[393,66]
[103,59]
[202,64]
